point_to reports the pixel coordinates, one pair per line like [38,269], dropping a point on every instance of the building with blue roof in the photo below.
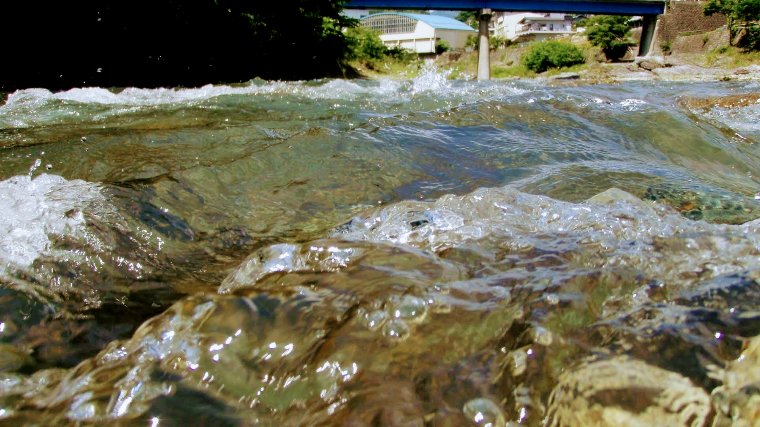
[418,32]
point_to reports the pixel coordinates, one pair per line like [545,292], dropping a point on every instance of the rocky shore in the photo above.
[662,68]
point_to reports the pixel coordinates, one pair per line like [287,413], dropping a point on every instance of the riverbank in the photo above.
[719,64]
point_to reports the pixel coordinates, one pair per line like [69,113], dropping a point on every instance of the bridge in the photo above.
[649,9]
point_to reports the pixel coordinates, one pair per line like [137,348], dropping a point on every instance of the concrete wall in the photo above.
[684,18]
[456,39]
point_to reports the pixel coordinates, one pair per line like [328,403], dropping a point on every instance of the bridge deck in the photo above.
[608,7]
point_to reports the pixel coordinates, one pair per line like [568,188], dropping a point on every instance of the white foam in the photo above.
[31,107]
[32,210]
[740,119]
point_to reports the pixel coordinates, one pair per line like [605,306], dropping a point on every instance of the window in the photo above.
[390,24]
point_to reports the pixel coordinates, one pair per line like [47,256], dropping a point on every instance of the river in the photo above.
[381,252]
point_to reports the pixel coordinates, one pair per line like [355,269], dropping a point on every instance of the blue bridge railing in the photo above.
[607,7]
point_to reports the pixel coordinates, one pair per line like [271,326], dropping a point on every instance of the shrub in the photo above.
[609,33]
[442,46]
[665,47]
[552,54]
[498,42]
[401,54]
[472,42]
[365,43]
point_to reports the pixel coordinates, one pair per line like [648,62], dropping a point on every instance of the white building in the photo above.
[418,32]
[531,26]
[355,13]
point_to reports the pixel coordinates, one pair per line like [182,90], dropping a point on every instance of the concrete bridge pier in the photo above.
[484,58]
[648,34]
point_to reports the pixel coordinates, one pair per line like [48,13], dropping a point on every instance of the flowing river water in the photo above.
[382,252]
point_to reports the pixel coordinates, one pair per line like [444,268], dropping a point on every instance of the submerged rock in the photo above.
[469,309]
[737,401]
[625,392]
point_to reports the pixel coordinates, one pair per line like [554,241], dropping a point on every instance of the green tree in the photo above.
[611,33]
[469,17]
[552,54]
[295,36]
[150,43]
[365,43]
[743,17]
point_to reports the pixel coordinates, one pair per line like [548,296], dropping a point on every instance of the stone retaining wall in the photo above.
[685,18]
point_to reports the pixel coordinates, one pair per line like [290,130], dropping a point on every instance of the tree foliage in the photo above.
[170,42]
[743,17]
[552,54]
[365,44]
[499,42]
[611,33]
[469,17]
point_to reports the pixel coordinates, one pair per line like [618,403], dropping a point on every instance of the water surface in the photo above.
[421,252]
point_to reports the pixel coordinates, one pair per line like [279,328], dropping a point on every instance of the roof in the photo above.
[438,22]
[544,18]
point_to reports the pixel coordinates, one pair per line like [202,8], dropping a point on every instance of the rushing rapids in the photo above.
[422,252]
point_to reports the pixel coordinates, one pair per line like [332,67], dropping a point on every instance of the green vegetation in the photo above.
[369,54]
[499,42]
[552,54]
[365,44]
[472,42]
[442,46]
[515,71]
[610,33]
[666,47]
[152,43]
[731,57]
[743,20]
[469,17]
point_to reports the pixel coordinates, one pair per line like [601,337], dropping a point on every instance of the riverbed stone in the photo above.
[650,63]
[566,76]
[737,401]
[626,392]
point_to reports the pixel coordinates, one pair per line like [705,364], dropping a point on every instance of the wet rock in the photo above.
[726,101]
[737,401]
[614,195]
[688,72]
[12,358]
[650,63]
[701,205]
[626,392]
[566,76]
[389,403]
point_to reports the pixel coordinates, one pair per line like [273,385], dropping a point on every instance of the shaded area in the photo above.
[59,45]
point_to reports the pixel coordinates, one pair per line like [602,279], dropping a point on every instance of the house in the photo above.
[519,26]
[418,32]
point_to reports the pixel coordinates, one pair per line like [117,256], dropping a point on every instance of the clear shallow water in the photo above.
[392,252]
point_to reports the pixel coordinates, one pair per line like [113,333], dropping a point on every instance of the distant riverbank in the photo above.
[685,62]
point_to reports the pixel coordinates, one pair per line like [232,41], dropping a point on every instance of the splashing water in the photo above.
[422,252]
